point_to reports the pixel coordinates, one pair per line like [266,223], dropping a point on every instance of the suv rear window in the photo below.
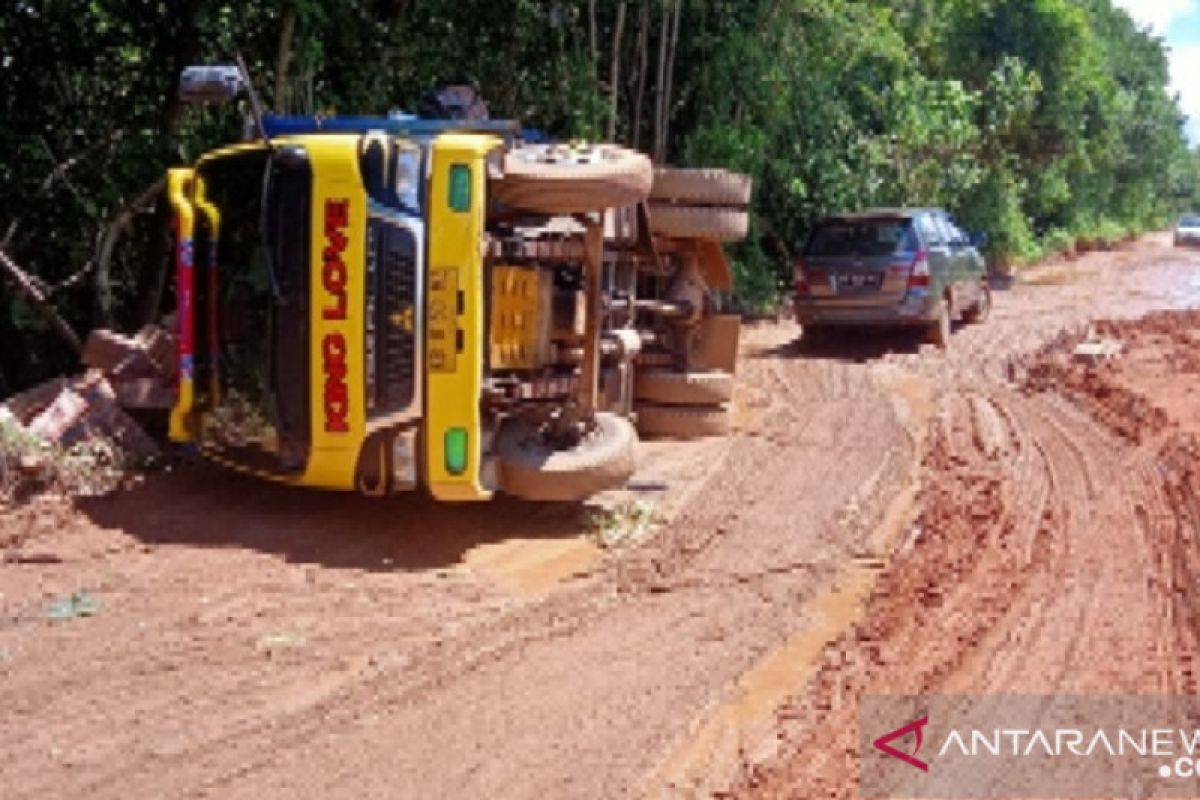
[865,237]
[1190,221]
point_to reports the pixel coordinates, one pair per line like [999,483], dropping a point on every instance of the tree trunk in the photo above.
[768,19]
[639,96]
[614,75]
[672,47]
[593,39]
[283,59]
[310,101]
[660,83]
[184,44]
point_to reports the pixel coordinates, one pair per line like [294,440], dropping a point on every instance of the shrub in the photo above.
[1059,241]
[30,466]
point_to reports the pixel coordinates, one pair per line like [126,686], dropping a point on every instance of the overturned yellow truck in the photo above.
[390,304]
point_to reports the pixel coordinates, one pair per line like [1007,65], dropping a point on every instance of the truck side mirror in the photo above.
[210,85]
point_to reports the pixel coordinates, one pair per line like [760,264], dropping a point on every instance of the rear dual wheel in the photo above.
[700,204]
[658,421]
[693,387]
[699,222]
[683,405]
[707,187]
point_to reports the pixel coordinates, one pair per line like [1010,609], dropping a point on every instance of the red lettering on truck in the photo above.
[334,275]
[337,395]
[334,279]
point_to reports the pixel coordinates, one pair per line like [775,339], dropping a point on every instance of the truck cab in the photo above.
[312,332]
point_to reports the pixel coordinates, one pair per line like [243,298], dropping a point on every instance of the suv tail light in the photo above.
[918,274]
[801,277]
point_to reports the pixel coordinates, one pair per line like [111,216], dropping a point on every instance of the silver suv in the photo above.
[891,267]
[1187,232]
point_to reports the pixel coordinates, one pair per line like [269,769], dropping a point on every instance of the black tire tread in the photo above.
[706,187]
[699,222]
[700,387]
[683,422]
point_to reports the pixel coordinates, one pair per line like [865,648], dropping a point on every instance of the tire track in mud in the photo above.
[1055,555]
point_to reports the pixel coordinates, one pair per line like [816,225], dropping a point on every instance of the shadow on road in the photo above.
[203,506]
[852,345]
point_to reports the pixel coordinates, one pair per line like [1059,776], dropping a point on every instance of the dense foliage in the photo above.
[1041,122]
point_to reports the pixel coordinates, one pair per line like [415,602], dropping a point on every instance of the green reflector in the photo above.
[460,187]
[456,451]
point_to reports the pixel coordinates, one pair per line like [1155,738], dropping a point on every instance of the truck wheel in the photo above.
[699,222]
[683,388]
[705,187]
[683,422]
[939,330]
[532,470]
[567,179]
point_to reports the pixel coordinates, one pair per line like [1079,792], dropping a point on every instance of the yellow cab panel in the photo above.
[455,314]
[337,299]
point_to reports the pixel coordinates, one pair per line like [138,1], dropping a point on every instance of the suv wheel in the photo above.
[939,329]
[982,308]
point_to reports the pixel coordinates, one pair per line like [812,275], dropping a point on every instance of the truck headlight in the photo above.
[408,176]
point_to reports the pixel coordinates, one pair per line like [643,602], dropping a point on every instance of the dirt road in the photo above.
[201,636]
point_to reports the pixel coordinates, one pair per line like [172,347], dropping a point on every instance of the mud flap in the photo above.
[716,344]
[714,266]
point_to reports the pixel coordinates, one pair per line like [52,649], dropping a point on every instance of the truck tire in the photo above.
[699,222]
[531,470]
[659,421]
[704,187]
[705,387]
[565,179]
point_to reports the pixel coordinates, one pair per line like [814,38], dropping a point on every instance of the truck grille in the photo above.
[393,317]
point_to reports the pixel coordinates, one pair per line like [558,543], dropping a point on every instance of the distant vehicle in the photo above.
[1187,232]
[912,268]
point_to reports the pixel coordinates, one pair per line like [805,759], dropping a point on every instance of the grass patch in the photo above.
[30,466]
[625,524]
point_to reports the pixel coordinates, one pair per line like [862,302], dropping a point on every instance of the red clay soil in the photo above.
[1055,553]
[201,635]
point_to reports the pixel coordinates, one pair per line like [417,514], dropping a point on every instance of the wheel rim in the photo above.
[566,155]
